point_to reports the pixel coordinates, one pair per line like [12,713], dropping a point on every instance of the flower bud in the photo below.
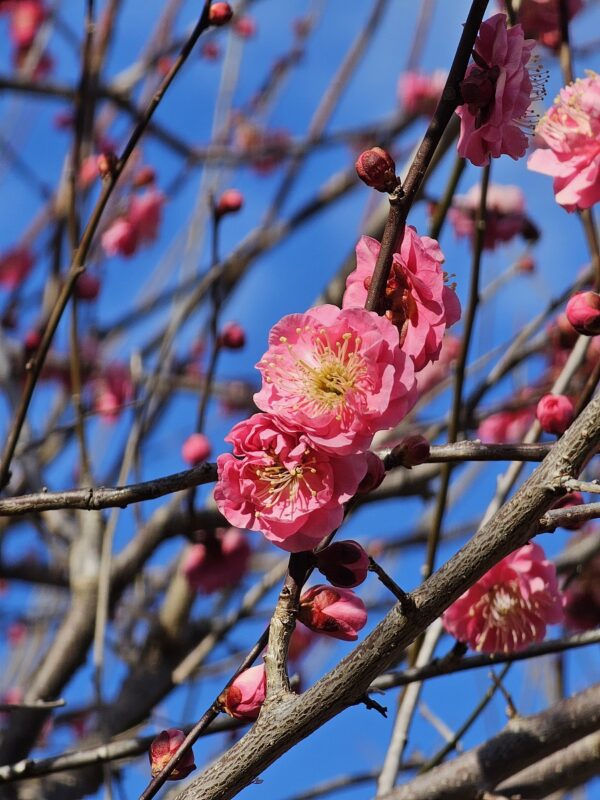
[374,475]
[339,613]
[411,451]
[233,336]
[570,500]
[377,169]
[229,203]
[196,449]
[145,176]
[555,412]
[210,51]
[245,27]
[163,748]
[344,563]
[106,163]
[583,312]
[526,264]
[87,287]
[220,14]
[243,699]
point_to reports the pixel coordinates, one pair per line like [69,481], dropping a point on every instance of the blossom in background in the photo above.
[339,613]
[505,215]
[163,748]
[582,597]
[221,561]
[510,606]
[436,372]
[120,238]
[497,92]
[244,698]
[419,93]
[569,139]
[279,483]
[506,426]
[139,225]
[540,19]
[27,17]
[266,148]
[113,389]
[15,266]
[555,412]
[336,375]
[196,449]
[417,300]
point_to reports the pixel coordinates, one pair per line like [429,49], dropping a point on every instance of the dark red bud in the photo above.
[377,169]
[411,451]
[220,14]
[106,163]
[583,312]
[233,336]
[344,563]
[145,176]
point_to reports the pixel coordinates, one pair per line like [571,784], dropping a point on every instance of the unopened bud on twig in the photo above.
[377,169]
[220,14]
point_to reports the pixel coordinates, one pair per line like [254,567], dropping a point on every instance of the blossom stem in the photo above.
[404,599]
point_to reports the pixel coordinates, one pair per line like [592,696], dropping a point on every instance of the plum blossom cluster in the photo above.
[540,19]
[497,90]
[138,225]
[26,17]
[333,378]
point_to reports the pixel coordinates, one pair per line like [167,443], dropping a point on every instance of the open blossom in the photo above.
[336,375]
[417,300]
[15,266]
[221,561]
[339,613]
[570,137]
[510,606]
[540,19]
[279,483]
[505,215]
[497,91]
[244,698]
[419,93]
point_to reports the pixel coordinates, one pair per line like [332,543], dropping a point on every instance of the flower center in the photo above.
[567,124]
[506,615]
[280,484]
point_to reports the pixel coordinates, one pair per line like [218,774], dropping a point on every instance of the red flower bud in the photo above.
[87,287]
[570,500]
[145,176]
[244,698]
[344,563]
[526,264]
[229,203]
[220,14]
[196,449]
[411,451]
[163,748]
[245,27]
[210,51]
[374,475]
[583,312]
[555,412]
[377,169]
[339,613]
[106,163]
[233,336]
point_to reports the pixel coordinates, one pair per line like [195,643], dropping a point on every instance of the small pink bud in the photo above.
[570,500]
[32,341]
[243,699]
[374,475]
[377,169]
[411,451]
[339,613]
[344,563]
[233,336]
[145,176]
[229,203]
[163,748]
[196,449]
[87,287]
[220,14]
[583,312]
[526,264]
[555,412]
[106,163]
[245,27]
[210,51]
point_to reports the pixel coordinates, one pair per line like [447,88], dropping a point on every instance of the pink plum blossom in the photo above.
[540,19]
[510,606]
[221,561]
[569,138]
[417,299]
[163,748]
[555,412]
[120,238]
[336,375]
[196,449]
[505,215]
[506,426]
[113,390]
[244,698]
[497,91]
[278,482]
[15,266]
[145,213]
[26,20]
[336,612]
[419,93]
